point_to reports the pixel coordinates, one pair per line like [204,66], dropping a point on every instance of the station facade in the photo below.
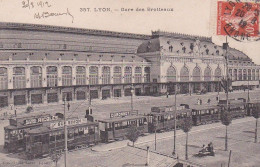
[44,64]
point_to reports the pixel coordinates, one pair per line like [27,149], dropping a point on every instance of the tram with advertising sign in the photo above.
[48,139]
[14,140]
[163,117]
[116,127]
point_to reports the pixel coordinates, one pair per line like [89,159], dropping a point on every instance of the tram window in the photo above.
[6,135]
[81,131]
[52,138]
[37,139]
[91,130]
[45,138]
[58,137]
[76,132]
[71,134]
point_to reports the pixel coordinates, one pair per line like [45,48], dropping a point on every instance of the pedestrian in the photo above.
[200,101]
[15,112]
[167,94]
[208,101]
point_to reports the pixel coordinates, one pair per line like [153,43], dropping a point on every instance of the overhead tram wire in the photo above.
[75,109]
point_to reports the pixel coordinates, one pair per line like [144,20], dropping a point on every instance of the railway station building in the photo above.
[42,64]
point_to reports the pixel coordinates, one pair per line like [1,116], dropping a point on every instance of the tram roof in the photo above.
[121,119]
[44,129]
[204,107]
[169,112]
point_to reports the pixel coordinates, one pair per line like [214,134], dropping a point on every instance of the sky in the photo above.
[195,17]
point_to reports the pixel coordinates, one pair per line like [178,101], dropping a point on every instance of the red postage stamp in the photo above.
[238,19]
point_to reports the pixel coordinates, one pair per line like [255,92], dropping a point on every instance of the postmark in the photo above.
[239,20]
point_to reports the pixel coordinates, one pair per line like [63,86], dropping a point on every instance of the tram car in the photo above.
[162,118]
[45,140]
[251,106]
[237,107]
[204,114]
[117,126]
[14,140]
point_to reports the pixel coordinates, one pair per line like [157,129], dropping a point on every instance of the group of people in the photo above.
[209,148]
[199,101]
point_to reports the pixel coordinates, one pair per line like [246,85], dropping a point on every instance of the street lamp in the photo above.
[175,120]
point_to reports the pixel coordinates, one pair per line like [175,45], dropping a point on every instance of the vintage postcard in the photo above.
[125,83]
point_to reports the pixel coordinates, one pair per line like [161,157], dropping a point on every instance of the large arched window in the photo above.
[128,75]
[240,75]
[117,76]
[52,75]
[196,74]
[147,74]
[257,75]
[217,74]
[253,74]
[36,77]
[80,75]
[249,74]
[19,77]
[138,74]
[244,75]
[171,74]
[66,76]
[235,74]
[207,74]
[184,74]
[3,78]
[105,75]
[93,75]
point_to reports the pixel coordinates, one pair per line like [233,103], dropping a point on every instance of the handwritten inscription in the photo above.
[32,4]
[43,15]
[40,5]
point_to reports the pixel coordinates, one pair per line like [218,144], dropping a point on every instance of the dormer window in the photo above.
[191,46]
[184,49]
[170,48]
[207,51]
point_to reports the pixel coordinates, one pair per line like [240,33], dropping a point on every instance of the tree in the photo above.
[133,133]
[255,114]
[186,127]
[226,119]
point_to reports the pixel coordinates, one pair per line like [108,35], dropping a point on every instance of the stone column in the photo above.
[27,77]
[59,75]
[10,77]
[74,75]
[44,76]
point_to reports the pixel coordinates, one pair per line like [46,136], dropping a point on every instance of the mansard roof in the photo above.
[38,27]
[177,43]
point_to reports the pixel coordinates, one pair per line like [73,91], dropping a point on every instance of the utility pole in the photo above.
[175,120]
[65,134]
[248,97]
[225,46]
[218,88]
[89,97]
